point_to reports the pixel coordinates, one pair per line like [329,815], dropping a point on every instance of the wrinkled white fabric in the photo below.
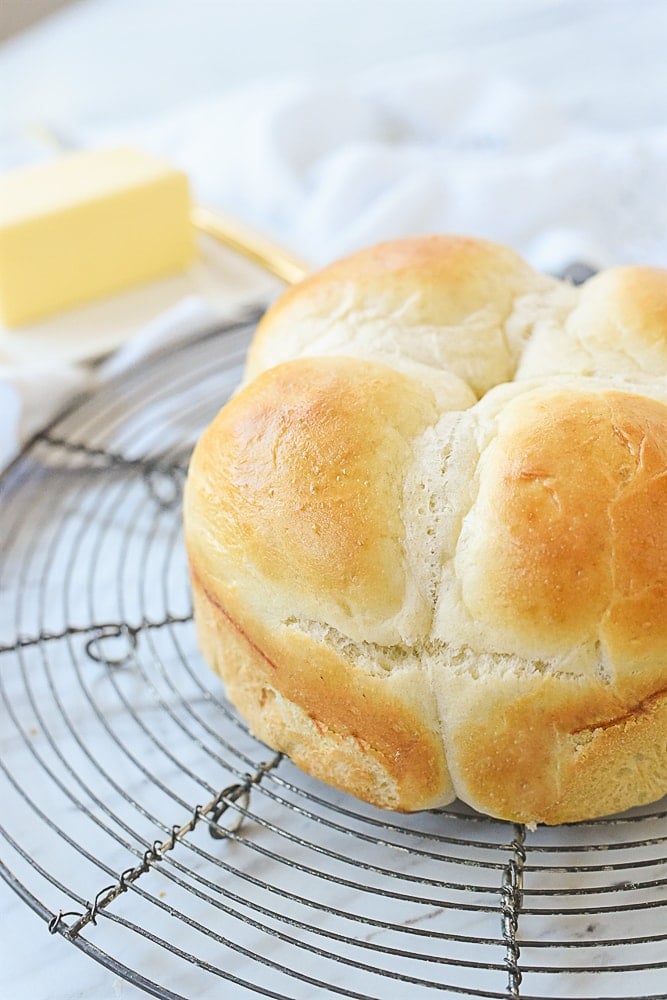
[327,169]
[30,397]
[330,169]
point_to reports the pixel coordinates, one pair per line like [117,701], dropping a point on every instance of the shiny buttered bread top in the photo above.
[428,536]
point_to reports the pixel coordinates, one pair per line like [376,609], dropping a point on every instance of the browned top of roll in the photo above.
[442,474]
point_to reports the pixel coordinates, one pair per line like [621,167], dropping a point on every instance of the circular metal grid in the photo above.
[149,829]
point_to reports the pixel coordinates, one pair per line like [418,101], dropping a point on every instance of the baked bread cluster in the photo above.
[428,536]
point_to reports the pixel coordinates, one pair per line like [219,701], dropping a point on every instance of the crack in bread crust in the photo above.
[379,746]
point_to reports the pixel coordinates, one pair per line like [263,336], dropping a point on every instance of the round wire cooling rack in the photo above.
[146,826]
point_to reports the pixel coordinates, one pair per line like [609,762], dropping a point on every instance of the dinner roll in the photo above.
[428,536]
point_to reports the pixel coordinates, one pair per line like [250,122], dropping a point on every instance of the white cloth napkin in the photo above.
[329,169]
[31,396]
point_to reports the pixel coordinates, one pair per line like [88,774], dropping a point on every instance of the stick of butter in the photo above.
[86,225]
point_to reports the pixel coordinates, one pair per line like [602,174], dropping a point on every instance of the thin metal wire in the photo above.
[511,903]
[308,890]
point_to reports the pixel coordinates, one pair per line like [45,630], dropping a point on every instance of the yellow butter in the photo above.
[86,225]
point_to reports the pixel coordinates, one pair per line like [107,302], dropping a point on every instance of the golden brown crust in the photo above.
[622,307]
[553,749]
[617,324]
[411,602]
[367,735]
[570,527]
[440,301]
[298,483]
[461,274]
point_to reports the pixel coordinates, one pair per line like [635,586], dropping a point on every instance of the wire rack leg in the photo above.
[510,904]
[212,812]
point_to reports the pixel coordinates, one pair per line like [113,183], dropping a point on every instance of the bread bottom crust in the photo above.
[410,778]
[604,770]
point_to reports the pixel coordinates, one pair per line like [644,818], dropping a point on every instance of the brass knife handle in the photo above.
[251,244]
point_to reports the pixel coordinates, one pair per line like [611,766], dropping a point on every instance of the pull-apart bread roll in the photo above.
[428,537]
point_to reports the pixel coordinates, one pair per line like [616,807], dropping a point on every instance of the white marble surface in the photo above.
[103,62]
